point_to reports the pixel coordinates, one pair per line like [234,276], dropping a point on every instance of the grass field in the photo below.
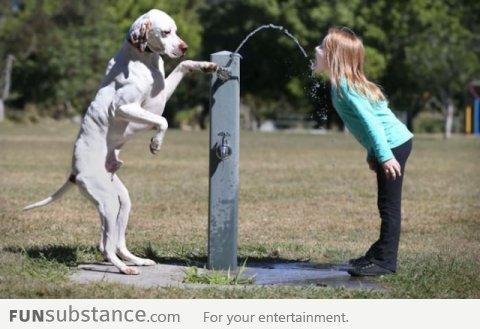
[302,197]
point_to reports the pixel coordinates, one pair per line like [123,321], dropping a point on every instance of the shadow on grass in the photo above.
[187,258]
[72,256]
[67,255]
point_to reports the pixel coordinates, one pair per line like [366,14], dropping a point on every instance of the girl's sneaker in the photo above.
[362,260]
[370,269]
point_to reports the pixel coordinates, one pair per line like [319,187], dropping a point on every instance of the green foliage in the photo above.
[441,52]
[428,122]
[62,47]
[416,49]
[189,118]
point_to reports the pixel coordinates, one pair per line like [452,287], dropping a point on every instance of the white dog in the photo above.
[131,99]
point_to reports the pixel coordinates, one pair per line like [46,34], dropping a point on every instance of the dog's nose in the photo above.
[183,47]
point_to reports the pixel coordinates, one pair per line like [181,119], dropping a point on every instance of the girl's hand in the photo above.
[392,169]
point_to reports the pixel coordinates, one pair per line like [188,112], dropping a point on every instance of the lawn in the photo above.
[302,197]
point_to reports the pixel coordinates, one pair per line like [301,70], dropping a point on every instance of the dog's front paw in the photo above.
[208,67]
[155,145]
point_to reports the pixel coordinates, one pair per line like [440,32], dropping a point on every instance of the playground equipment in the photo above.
[472,118]
[472,115]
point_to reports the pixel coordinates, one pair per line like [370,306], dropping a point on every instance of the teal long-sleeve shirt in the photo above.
[373,124]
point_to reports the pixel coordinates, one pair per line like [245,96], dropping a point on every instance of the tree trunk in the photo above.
[6,84]
[450,111]
[2,110]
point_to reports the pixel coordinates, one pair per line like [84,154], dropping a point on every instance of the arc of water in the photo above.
[272,26]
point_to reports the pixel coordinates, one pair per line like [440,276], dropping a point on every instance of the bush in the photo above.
[30,114]
[188,119]
[429,122]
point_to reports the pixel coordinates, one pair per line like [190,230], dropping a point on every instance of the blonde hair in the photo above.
[345,55]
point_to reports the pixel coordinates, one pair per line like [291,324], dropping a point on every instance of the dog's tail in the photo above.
[62,190]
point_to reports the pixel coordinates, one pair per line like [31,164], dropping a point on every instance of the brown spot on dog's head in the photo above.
[139,33]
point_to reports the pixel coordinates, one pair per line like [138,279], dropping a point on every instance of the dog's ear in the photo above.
[138,33]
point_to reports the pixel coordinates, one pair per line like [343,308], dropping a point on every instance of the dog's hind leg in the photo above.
[100,189]
[122,222]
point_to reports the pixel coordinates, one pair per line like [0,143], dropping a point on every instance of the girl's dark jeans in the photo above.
[385,250]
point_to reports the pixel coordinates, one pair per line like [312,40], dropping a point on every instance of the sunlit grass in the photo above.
[203,276]
[302,197]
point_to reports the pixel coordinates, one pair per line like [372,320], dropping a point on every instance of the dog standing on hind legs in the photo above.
[131,98]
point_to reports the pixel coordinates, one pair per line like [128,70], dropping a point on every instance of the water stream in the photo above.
[272,26]
[318,89]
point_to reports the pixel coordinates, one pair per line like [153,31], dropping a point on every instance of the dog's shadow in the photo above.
[62,254]
[73,256]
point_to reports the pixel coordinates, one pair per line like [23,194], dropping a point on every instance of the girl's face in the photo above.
[320,65]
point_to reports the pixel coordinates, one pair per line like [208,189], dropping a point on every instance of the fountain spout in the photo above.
[224,73]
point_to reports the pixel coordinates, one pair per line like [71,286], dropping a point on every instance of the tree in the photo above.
[63,48]
[8,52]
[410,47]
[421,51]
[58,51]
[430,49]
[6,84]
[440,58]
[275,75]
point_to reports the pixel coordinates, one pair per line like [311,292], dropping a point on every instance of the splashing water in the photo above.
[318,92]
[318,89]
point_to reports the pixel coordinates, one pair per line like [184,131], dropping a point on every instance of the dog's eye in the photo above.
[166,33]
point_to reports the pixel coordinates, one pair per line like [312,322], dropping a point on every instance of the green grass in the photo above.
[302,197]
[203,276]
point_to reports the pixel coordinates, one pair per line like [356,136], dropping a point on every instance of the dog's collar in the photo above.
[147,49]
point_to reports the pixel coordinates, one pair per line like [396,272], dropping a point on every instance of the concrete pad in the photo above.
[159,275]
[270,274]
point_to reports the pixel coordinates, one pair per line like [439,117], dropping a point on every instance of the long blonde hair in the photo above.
[345,55]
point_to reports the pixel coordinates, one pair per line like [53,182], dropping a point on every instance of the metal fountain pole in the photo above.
[224,162]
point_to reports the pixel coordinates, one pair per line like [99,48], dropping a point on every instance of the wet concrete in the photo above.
[299,274]
[309,274]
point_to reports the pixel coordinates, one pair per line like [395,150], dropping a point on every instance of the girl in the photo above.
[365,112]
